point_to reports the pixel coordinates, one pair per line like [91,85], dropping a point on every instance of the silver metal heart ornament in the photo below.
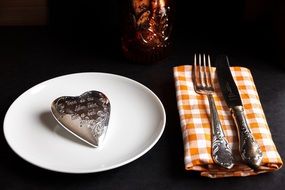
[85,116]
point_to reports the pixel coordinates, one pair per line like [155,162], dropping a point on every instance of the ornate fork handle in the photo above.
[221,151]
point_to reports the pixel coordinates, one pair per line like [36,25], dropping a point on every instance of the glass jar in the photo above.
[146,29]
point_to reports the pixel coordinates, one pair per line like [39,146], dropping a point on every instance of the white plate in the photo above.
[136,123]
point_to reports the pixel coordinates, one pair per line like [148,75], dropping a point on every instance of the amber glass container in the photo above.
[146,27]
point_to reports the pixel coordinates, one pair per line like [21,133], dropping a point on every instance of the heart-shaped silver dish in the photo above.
[85,116]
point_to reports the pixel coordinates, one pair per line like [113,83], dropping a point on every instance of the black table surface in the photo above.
[30,55]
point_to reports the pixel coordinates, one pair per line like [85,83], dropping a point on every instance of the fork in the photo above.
[203,84]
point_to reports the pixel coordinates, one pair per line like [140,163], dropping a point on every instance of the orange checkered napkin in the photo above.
[195,124]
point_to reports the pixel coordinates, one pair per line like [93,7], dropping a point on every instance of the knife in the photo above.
[248,147]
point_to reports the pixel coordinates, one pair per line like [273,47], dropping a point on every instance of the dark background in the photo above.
[251,25]
[85,36]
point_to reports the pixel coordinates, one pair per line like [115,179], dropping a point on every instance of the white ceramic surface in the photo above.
[137,121]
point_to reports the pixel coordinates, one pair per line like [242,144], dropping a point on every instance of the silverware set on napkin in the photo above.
[203,84]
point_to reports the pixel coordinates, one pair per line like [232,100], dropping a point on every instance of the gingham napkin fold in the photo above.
[195,124]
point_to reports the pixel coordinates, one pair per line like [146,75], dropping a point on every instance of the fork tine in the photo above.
[205,70]
[200,71]
[210,72]
[194,70]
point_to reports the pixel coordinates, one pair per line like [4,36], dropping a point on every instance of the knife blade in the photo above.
[248,147]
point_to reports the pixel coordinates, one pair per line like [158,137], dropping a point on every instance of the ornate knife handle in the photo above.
[221,152]
[248,147]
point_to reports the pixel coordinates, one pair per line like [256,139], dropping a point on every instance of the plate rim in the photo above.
[86,171]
